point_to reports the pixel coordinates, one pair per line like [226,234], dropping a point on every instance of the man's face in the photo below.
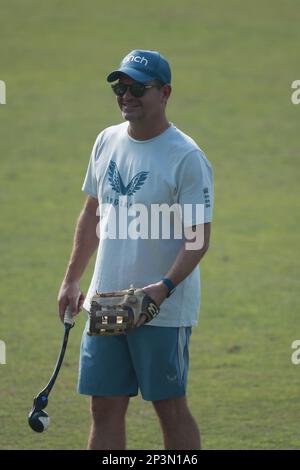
[145,109]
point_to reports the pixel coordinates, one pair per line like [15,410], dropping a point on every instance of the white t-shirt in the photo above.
[122,172]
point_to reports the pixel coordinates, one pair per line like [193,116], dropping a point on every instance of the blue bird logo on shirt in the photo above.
[117,184]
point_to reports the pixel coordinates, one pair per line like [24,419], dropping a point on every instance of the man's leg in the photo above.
[108,423]
[179,428]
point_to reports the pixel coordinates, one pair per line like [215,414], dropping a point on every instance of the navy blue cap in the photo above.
[143,66]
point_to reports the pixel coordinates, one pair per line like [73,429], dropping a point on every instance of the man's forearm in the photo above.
[184,264]
[85,243]
[187,260]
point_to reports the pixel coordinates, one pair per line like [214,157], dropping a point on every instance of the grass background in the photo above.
[233,64]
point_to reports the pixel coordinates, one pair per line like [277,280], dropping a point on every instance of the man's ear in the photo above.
[167,90]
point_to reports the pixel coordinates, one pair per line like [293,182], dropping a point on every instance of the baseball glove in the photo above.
[116,313]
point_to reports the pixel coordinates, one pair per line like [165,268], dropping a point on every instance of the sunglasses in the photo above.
[136,89]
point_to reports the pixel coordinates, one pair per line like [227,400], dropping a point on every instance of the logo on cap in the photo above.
[136,58]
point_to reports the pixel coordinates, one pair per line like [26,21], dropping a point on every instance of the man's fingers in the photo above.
[76,302]
[62,305]
[81,300]
[73,306]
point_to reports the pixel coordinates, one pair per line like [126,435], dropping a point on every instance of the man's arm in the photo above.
[85,243]
[185,262]
[188,259]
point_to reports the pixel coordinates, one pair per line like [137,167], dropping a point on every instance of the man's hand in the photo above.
[70,294]
[158,292]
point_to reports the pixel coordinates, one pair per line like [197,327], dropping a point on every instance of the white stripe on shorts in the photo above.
[181,347]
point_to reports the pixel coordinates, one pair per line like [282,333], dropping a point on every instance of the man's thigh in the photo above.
[160,357]
[105,367]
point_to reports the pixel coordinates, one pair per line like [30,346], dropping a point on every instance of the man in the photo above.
[144,161]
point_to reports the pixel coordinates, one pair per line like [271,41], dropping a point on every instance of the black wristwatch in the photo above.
[169,285]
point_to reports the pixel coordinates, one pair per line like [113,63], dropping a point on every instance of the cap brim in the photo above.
[132,73]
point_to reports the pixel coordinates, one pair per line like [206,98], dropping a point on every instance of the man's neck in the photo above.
[139,131]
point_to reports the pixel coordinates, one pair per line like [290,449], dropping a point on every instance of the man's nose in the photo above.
[127,94]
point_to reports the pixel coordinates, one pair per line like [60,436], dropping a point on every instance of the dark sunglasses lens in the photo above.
[119,89]
[137,90]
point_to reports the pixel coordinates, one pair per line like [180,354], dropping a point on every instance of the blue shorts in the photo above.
[151,359]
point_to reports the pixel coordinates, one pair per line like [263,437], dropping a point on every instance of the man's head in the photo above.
[143,86]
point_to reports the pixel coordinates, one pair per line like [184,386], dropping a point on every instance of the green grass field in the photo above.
[233,64]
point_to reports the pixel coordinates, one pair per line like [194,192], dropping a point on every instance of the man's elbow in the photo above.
[203,249]
[198,249]
[197,238]
[198,244]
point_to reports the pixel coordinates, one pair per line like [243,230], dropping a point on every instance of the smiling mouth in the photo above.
[129,106]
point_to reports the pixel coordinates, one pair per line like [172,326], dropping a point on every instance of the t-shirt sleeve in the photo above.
[90,181]
[196,189]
